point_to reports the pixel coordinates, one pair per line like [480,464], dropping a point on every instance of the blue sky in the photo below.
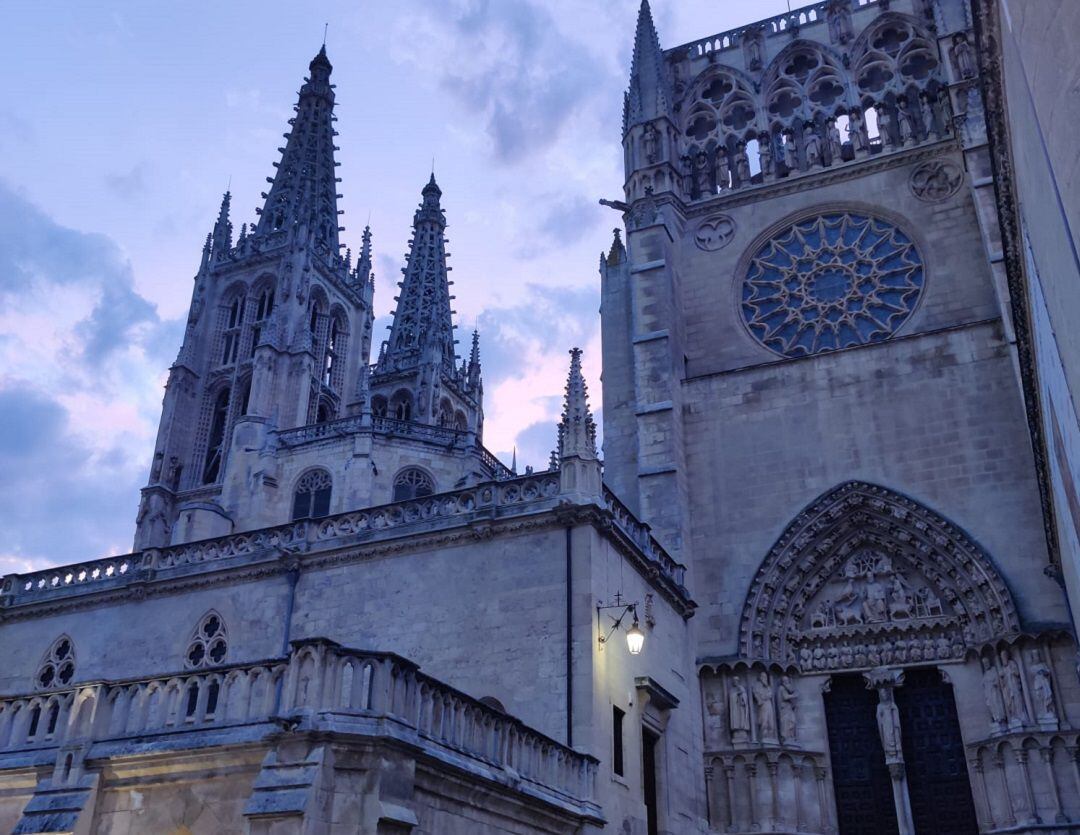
[124,122]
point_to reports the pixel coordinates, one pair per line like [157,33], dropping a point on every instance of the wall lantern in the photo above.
[635,638]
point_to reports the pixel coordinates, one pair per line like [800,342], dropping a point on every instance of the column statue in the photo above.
[789,710]
[764,708]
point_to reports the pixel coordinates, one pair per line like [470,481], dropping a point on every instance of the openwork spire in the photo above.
[363,264]
[304,190]
[577,430]
[222,234]
[423,332]
[647,96]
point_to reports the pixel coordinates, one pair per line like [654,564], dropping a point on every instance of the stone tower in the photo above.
[278,339]
[811,395]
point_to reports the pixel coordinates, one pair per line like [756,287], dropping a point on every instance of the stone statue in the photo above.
[857,132]
[875,609]
[899,600]
[155,468]
[835,143]
[926,110]
[738,709]
[651,144]
[723,170]
[904,121]
[752,45]
[1042,689]
[888,722]
[688,174]
[172,475]
[764,708]
[885,122]
[765,155]
[962,55]
[742,165]
[791,162]
[839,14]
[811,147]
[703,176]
[789,710]
[1013,689]
[849,608]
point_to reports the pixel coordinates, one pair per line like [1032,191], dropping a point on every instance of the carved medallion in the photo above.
[936,180]
[715,233]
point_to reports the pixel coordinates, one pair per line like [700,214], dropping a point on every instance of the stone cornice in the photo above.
[987,26]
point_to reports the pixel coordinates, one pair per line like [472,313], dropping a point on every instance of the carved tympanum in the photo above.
[867,577]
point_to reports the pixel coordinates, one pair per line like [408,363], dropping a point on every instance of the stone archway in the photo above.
[866,577]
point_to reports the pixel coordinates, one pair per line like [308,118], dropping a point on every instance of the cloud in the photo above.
[509,65]
[82,355]
[130,184]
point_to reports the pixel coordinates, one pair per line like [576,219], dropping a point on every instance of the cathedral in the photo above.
[820,578]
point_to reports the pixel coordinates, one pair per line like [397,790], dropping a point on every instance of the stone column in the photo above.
[1047,754]
[729,776]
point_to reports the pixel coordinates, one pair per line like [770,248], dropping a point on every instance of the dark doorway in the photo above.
[864,800]
[934,755]
[649,742]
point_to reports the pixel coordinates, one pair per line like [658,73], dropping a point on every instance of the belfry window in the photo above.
[234,319]
[57,669]
[331,362]
[209,643]
[263,309]
[215,447]
[412,483]
[312,497]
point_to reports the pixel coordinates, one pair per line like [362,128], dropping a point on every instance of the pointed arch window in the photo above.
[234,319]
[215,447]
[412,483]
[263,308]
[311,499]
[57,668]
[209,643]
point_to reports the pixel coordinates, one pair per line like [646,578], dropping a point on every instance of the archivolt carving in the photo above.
[865,576]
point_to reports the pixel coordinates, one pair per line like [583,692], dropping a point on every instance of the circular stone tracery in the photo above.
[829,282]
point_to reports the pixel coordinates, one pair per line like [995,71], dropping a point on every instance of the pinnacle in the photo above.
[321,60]
[577,430]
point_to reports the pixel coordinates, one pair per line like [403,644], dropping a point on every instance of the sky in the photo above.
[124,122]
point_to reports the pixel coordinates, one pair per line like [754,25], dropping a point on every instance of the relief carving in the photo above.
[715,233]
[936,180]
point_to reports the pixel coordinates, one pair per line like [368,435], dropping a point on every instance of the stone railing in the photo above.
[318,431]
[490,498]
[422,431]
[781,24]
[638,533]
[320,686]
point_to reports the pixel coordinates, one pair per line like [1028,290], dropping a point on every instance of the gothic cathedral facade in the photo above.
[812,584]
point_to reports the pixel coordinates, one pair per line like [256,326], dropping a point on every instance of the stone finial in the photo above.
[617,254]
[222,234]
[577,430]
[647,96]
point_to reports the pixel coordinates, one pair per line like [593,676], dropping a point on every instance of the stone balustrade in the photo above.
[320,686]
[536,492]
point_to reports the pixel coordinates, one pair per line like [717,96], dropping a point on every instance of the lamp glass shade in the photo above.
[635,638]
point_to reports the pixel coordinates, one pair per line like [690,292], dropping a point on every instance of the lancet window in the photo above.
[215,442]
[264,307]
[401,406]
[233,322]
[334,360]
[412,483]
[209,643]
[311,498]
[57,668]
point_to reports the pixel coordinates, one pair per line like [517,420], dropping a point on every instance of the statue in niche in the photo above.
[811,147]
[835,143]
[154,513]
[1013,689]
[1042,689]
[742,165]
[847,658]
[155,468]
[764,708]
[754,53]
[789,710]
[905,122]
[172,474]
[791,161]
[723,169]
[714,707]
[943,648]
[926,110]
[856,129]
[962,55]
[873,656]
[839,13]
[651,144]
[995,702]
[875,608]
[888,722]
[738,710]
[703,176]
[819,658]
[765,155]
[688,174]
[885,122]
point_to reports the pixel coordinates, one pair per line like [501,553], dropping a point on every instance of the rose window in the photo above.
[831,282]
